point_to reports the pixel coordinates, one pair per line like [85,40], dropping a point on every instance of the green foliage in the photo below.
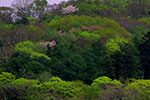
[102,82]
[25,82]
[109,28]
[27,62]
[57,79]
[126,63]
[92,6]
[19,33]
[138,34]
[6,26]
[145,19]
[66,61]
[24,66]
[1,43]
[23,21]
[69,62]
[39,7]
[22,88]
[89,35]
[90,93]
[113,45]
[32,20]
[6,77]
[85,8]
[46,18]
[139,90]
[61,89]
[96,60]
[55,88]
[28,48]
[90,47]
[144,49]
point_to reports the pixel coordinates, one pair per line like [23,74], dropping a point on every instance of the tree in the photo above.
[30,8]
[26,62]
[125,63]
[138,8]
[96,60]
[6,15]
[138,34]
[144,49]
[39,8]
[66,62]
[22,7]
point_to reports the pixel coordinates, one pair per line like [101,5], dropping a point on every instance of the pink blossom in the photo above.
[51,44]
[69,9]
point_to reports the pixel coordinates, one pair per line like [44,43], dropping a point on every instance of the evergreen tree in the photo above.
[144,49]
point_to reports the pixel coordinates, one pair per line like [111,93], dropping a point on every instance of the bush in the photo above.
[6,77]
[62,89]
[103,82]
[112,93]
[90,93]
[145,19]
[26,61]
[138,90]
[29,48]
[113,45]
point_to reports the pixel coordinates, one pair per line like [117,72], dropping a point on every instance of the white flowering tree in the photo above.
[69,10]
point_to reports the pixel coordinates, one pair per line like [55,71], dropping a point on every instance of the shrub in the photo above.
[112,93]
[113,45]
[6,77]
[138,90]
[90,93]
[89,35]
[61,89]
[29,48]
[103,82]
[145,19]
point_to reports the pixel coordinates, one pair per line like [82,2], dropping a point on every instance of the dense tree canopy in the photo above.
[75,50]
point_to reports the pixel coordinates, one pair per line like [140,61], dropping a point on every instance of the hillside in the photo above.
[75,50]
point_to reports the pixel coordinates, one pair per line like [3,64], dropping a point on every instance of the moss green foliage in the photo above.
[56,88]
[6,77]
[89,35]
[145,19]
[61,88]
[139,89]
[138,33]
[92,53]
[126,63]
[27,67]
[25,82]
[94,6]
[90,93]
[6,26]
[102,81]
[30,62]
[108,27]
[71,64]
[113,45]
[28,47]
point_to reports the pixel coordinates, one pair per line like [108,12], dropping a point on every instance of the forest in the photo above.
[75,50]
